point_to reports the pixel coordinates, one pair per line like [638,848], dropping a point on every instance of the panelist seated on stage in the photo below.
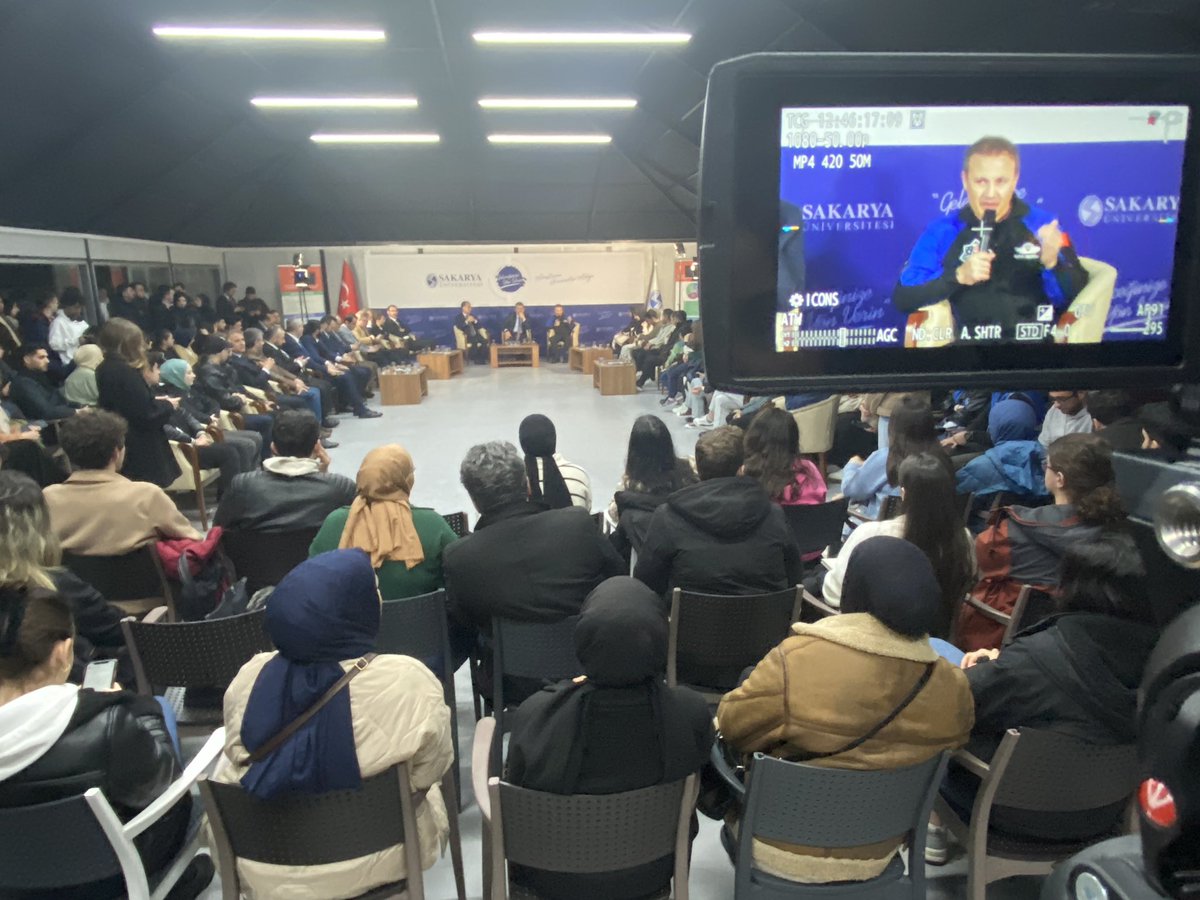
[471,336]
[517,327]
[998,261]
[562,333]
[399,333]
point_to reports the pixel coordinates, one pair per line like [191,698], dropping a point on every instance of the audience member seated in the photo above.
[237,452]
[912,430]
[821,694]
[635,329]
[1068,414]
[99,512]
[293,490]
[1114,418]
[124,391]
[253,369]
[30,558]
[553,481]
[876,411]
[34,391]
[64,740]
[675,375]
[405,542]
[350,379]
[656,332]
[80,387]
[1076,673]
[1025,546]
[1012,465]
[1165,433]
[523,561]
[472,335]
[652,473]
[560,335]
[21,447]
[274,348]
[324,618]
[215,381]
[618,728]
[721,536]
[650,357]
[772,456]
[346,352]
[929,520]
[372,340]
[68,326]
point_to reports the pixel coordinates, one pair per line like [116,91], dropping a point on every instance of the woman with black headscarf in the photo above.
[616,728]
[553,481]
[324,619]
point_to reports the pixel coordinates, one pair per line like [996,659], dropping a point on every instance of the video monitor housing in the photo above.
[875,221]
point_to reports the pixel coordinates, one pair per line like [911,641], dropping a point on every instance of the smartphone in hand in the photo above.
[100,675]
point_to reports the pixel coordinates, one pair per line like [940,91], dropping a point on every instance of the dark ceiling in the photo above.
[107,129]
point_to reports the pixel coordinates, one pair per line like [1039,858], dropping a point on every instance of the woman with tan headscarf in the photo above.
[405,543]
[80,388]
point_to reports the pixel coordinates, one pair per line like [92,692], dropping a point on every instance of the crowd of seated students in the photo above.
[536,555]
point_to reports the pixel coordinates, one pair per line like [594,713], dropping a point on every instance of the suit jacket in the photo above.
[100,513]
[282,359]
[123,390]
[226,309]
[511,324]
[249,373]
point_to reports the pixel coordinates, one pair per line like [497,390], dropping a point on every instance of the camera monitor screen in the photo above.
[931,240]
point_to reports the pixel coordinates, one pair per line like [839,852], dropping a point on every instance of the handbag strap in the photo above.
[880,725]
[301,720]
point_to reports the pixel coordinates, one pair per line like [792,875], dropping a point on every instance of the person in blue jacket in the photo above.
[1013,464]
[1028,272]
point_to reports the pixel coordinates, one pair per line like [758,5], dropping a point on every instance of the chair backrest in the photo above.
[137,575]
[263,558]
[1050,772]
[1030,607]
[819,806]
[205,654]
[53,845]
[310,829]
[728,631]
[818,525]
[416,627]
[817,423]
[535,649]
[585,833]
[458,523]
[890,508]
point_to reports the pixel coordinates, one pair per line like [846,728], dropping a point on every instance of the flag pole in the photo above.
[324,281]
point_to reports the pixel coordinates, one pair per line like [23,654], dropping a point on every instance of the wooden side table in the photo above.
[582,359]
[614,377]
[515,355]
[401,388]
[442,364]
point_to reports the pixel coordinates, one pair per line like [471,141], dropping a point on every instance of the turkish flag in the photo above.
[348,295]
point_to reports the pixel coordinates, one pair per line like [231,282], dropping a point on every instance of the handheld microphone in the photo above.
[985,229]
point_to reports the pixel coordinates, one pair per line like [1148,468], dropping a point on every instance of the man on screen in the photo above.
[998,259]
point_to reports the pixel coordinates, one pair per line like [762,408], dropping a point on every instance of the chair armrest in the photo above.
[721,765]
[158,614]
[984,610]
[203,764]
[819,604]
[972,763]
[481,756]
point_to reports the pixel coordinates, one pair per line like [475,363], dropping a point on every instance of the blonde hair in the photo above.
[124,340]
[28,546]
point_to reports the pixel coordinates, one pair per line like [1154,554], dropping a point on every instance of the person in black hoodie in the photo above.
[1076,673]
[73,739]
[721,536]
[618,728]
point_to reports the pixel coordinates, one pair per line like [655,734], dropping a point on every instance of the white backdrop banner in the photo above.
[501,279]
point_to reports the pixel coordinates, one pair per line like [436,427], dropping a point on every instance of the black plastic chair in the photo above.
[818,525]
[458,523]
[81,840]
[820,806]
[319,829]
[134,582]
[171,659]
[581,833]
[263,558]
[1030,607]
[726,632]
[416,627]
[890,508]
[1036,772]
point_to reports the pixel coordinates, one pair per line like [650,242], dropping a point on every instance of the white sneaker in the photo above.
[681,409]
[937,846]
[702,422]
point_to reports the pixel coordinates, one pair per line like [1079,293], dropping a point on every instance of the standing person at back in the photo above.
[723,535]
[523,561]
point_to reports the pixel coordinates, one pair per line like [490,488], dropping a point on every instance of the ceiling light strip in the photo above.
[608,38]
[335,102]
[557,102]
[223,32]
[549,138]
[374,138]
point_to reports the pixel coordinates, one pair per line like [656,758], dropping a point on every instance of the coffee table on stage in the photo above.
[442,364]
[400,387]
[515,355]
[614,376]
[582,358]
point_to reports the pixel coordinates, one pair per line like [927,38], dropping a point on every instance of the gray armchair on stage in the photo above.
[1082,323]
[81,840]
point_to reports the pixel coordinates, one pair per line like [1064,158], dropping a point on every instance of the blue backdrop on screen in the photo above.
[1118,202]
